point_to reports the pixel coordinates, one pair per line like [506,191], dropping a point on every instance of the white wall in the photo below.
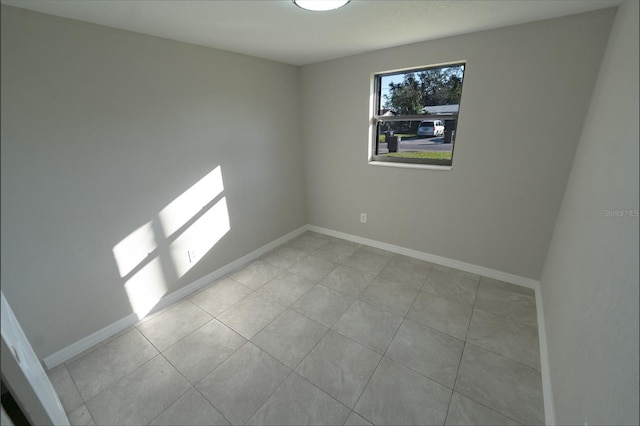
[525,94]
[101,129]
[590,279]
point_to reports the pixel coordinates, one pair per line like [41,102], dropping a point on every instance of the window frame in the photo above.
[376,118]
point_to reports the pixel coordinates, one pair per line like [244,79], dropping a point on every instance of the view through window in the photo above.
[416,114]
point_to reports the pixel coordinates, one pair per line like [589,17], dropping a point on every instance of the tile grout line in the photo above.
[464,345]
[274,391]
[119,380]
[460,363]
[64,364]
[385,350]
[183,394]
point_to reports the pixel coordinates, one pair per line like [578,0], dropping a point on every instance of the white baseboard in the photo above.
[116,327]
[85,343]
[547,393]
[452,263]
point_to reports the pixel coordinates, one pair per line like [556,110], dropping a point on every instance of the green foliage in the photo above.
[439,86]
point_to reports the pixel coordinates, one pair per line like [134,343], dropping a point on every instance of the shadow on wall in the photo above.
[172,242]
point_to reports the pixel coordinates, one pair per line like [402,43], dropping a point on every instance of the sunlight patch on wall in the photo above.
[184,231]
[146,288]
[190,202]
[200,237]
[136,255]
[134,248]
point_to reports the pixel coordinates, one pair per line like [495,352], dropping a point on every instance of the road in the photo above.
[426,144]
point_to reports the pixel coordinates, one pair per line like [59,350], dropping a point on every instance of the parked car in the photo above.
[431,128]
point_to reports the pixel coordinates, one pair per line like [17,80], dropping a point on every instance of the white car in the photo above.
[431,128]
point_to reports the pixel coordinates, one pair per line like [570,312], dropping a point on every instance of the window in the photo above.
[415,115]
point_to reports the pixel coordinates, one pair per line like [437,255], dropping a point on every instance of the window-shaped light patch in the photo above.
[189,225]
[137,260]
[189,203]
[145,288]
[134,248]
[200,237]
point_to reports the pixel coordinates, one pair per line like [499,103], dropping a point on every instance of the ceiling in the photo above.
[280,31]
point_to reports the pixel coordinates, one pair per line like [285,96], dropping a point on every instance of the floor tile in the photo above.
[65,388]
[342,241]
[448,269]
[80,417]
[356,420]
[406,270]
[398,396]
[290,337]
[110,362]
[367,260]
[323,305]
[203,350]
[174,324]
[220,296]
[454,287]
[442,314]
[256,274]
[508,286]
[298,402]
[313,268]
[336,252]
[427,351]
[340,367]
[411,262]
[390,295]
[507,300]
[284,257]
[308,242]
[190,409]
[368,325]
[386,253]
[348,280]
[241,384]
[505,337]
[464,412]
[286,288]
[506,386]
[140,396]
[251,314]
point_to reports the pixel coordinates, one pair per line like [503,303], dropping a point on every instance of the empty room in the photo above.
[279,212]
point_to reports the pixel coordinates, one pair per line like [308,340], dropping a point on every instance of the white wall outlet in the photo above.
[363,217]
[192,255]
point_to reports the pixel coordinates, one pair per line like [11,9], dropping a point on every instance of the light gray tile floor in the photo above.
[321,331]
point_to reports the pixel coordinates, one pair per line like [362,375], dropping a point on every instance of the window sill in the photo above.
[409,165]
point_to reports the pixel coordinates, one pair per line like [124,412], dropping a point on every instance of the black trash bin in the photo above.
[392,143]
[449,135]
[449,130]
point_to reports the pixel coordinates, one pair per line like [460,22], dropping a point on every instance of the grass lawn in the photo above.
[383,138]
[432,155]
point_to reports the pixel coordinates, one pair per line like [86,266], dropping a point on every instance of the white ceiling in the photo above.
[279,30]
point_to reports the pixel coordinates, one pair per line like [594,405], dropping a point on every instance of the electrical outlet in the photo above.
[191,254]
[363,217]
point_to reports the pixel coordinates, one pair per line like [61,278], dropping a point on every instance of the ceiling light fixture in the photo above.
[320,5]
